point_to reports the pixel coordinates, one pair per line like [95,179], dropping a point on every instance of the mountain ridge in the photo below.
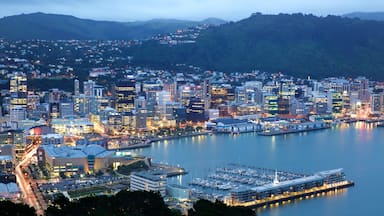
[65,27]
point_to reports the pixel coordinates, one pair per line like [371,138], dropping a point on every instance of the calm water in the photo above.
[358,148]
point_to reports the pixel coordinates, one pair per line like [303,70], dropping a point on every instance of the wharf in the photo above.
[134,146]
[169,171]
[247,186]
[289,131]
[178,136]
[288,197]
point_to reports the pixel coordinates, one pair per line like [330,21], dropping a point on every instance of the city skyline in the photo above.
[118,10]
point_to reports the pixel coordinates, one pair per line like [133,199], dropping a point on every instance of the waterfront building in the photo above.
[327,179]
[231,125]
[65,160]
[148,181]
[178,192]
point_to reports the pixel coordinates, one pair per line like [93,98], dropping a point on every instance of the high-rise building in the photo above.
[66,109]
[162,98]
[335,102]
[375,104]
[76,87]
[271,104]
[125,93]
[89,88]
[18,90]
[206,94]
[195,110]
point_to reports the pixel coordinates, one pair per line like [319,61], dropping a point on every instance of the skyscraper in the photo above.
[18,90]
[76,87]
[89,88]
[125,93]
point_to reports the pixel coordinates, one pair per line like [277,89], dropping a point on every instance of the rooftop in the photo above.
[77,152]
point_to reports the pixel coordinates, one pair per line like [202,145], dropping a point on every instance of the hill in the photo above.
[296,44]
[63,27]
[378,16]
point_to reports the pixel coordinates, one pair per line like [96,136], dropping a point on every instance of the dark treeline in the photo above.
[136,203]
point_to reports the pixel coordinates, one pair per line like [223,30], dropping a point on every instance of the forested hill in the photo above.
[64,27]
[296,44]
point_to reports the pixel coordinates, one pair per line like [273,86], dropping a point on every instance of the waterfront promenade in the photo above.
[288,197]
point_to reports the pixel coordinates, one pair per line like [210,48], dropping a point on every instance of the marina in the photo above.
[240,185]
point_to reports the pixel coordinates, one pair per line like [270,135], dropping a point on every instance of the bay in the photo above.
[358,148]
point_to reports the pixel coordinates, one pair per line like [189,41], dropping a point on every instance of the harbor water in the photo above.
[358,148]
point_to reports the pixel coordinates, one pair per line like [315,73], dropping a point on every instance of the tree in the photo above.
[15,209]
[207,208]
[137,203]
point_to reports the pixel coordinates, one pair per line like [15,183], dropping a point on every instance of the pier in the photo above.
[289,197]
[289,131]
[239,185]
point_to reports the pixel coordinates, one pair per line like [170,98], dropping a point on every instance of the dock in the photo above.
[289,197]
[289,131]
[168,170]
[253,187]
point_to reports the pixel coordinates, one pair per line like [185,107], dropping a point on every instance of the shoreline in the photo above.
[149,142]
[177,137]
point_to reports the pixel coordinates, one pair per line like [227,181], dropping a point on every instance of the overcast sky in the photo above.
[131,10]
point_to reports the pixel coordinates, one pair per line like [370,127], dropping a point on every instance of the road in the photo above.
[24,184]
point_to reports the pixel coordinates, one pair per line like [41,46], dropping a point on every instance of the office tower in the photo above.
[18,90]
[125,93]
[89,88]
[195,110]
[76,87]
